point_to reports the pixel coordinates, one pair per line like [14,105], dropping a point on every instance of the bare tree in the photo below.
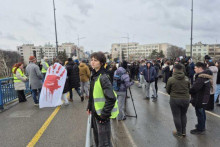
[174,52]
[7,60]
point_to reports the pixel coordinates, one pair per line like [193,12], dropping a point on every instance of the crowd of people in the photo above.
[105,86]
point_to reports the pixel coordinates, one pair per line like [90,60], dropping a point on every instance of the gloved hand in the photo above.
[102,120]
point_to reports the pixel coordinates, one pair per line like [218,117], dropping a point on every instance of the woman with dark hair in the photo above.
[102,104]
[217,91]
[112,71]
[19,81]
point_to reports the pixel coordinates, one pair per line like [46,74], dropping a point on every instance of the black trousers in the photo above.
[179,108]
[102,133]
[21,96]
[156,87]
[210,104]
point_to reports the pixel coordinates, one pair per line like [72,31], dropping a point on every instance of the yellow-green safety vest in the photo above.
[43,70]
[13,69]
[16,80]
[99,99]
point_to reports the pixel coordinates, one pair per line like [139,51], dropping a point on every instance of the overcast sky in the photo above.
[103,22]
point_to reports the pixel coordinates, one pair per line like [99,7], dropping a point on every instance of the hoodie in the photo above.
[125,79]
[178,86]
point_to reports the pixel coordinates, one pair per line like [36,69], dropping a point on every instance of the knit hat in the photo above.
[32,58]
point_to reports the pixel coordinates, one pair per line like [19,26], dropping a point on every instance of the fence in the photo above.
[7,91]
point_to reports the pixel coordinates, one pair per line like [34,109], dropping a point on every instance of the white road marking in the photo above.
[129,135]
[211,113]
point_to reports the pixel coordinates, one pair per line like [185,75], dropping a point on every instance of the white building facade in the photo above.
[134,51]
[49,51]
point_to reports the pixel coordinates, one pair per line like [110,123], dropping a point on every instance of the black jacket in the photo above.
[218,77]
[200,91]
[73,74]
[108,93]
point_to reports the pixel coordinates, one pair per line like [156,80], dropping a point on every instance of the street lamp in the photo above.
[55,27]
[128,45]
[191,30]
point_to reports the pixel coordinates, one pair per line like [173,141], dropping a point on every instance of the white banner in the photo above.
[52,89]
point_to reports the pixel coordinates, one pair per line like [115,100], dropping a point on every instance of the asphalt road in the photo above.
[154,124]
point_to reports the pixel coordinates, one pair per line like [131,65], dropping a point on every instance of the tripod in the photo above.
[132,103]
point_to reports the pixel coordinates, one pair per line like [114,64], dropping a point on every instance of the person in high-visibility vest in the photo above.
[103,104]
[45,66]
[13,69]
[19,82]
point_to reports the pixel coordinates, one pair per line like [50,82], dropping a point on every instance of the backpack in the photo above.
[117,82]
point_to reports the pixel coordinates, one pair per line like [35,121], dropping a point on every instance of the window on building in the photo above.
[199,49]
[194,50]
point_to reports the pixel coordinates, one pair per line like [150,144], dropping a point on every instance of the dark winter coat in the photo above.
[149,74]
[125,79]
[108,93]
[178,85]
[218,77]
[75,77]
[200,91]
[157,68]
[166,72]
[191,70]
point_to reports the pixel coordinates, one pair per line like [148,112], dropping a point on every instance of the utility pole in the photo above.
[78,44]
[191,30]
[128,45]
[55,27]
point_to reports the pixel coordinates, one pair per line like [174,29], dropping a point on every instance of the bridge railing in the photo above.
[8,92]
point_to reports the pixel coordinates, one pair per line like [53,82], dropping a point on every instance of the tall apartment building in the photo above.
[199,50]
[49,51]
[136,52]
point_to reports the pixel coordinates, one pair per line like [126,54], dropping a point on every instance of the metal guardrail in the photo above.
[8,92]
[89,140]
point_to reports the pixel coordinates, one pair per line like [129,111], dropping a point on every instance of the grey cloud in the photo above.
[8,36]
[83,5]
[33,21]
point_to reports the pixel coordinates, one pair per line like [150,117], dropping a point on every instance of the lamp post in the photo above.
[191,30]
[55,27]
[128,45]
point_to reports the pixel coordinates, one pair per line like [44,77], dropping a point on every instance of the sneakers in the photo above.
[176,134]
[154,100]
[147,98]
[36,104]
[82,99]
[71,100]
[197,132]
[66,104]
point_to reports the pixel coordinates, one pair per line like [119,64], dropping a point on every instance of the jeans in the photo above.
[121,105]
[201,117]
[35,93]
[152,84]
[179,109]
[77,90]
[102,133]
[217,92]
[85,88]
